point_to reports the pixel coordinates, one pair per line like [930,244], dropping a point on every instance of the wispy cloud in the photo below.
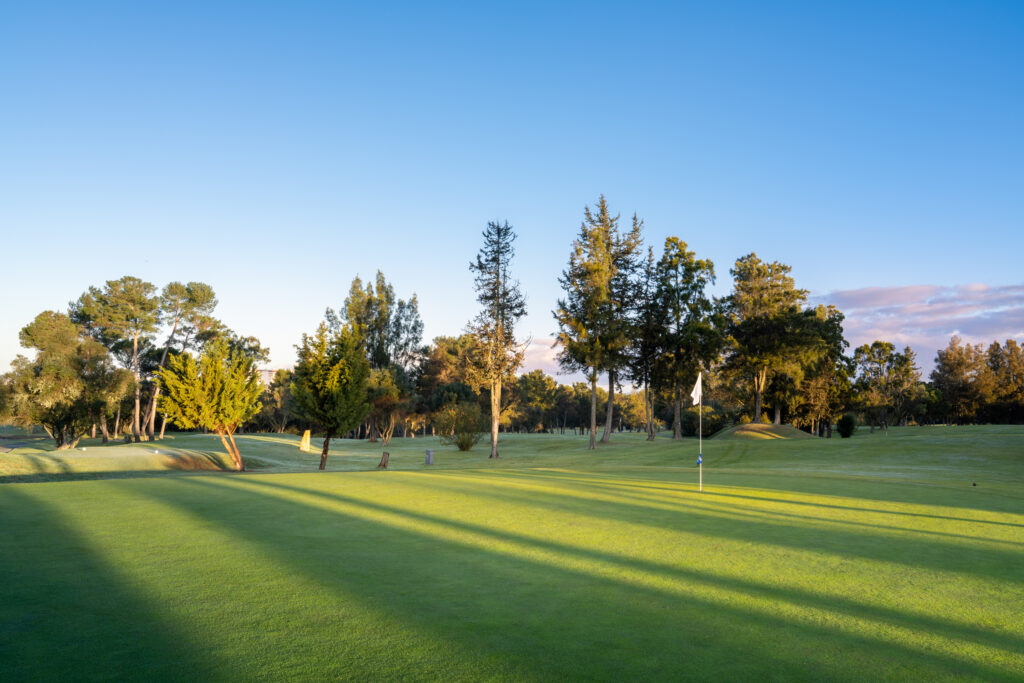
[541,355]
[924,317]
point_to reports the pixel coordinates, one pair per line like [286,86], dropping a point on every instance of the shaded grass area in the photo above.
[870,558]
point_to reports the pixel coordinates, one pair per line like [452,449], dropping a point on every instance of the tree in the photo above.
[330,381]
[826,387]
[690,340]
[537,395]
[956,369]
[592,333]
[62,388]
[618,319]
[278,402]
[649,337]
[180,305]
[125,312]
[389,331]
[500,355]
[448,360]
[218,392]
[1006,363]
[767,329]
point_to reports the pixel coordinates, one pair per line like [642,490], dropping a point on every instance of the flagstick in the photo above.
[700,442]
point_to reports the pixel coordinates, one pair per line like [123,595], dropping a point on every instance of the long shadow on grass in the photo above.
[624,488]
[632,483]
[830,603]
[65,614]
[913,552]
[909,491]
[545,619]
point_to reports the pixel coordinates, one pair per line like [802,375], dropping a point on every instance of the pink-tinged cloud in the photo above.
[924,317]
[541,355]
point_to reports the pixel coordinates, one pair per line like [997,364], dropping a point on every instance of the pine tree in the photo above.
[125,312]
[503,304]
[587,286]
[767,328]
[691,340]
[649,336]
[329,384]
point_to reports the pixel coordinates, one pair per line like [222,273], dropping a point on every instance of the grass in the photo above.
[875,557]
[762,431]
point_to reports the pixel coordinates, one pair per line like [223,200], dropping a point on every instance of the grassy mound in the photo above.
[761,431]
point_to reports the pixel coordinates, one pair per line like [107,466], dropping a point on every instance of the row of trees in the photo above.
[650,321]
[360,371]
[97,366]
[639,317]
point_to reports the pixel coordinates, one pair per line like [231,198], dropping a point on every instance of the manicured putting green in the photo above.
[875,558]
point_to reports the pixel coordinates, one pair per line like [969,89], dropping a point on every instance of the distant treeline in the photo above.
[642,319]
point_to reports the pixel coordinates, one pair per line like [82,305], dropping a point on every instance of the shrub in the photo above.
[744,419]
[460,424]
[846,426]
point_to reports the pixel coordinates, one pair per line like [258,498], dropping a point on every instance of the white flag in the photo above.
[697,393]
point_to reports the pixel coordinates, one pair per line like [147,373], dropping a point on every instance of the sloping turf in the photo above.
[761,431]
[874,558]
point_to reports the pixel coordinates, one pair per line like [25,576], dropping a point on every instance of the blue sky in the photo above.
[276,150]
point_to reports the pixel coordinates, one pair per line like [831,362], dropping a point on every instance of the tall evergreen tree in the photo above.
[691,341]
[587,286]
[619,319]
[329,384]
[767,329]
[594,317]
[648,336]
[390,331]
[503,304]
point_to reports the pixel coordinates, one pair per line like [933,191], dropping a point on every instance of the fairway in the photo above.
[882,557]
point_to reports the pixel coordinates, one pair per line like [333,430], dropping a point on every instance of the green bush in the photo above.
[460,424]
[846,426]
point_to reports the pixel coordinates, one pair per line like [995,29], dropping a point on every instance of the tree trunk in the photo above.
[607,435]
[759,381]
[593,409]
[103,428]
[227,446]
[323,453]
[163,424]
[495,414]
[136,417]
[237,454]
[677,411]
[778,414]
[117,422]
[828,429]
[151,412]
